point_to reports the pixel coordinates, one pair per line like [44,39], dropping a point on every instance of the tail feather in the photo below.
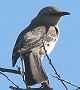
[34,72]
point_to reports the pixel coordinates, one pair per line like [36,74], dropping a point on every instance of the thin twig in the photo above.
[66,81]
[23,75]
[14,88]
[53,66]
[57,73]
[9,79]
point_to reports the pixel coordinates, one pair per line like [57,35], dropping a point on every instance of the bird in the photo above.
[43,32]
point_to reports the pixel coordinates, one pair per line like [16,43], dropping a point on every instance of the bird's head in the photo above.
[51,14]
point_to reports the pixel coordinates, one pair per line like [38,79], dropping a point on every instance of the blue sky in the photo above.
[16,15]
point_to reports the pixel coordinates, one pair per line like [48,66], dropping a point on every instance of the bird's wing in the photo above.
[27,40]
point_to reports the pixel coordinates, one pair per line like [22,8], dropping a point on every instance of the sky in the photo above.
[16,15]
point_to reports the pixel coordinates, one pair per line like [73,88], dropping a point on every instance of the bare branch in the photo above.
[53,66]
[57,74]
[10,71]
[14,88]
[9,79]
[23,74]
[66,81]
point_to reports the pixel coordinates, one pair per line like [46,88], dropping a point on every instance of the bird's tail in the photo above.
[34,72]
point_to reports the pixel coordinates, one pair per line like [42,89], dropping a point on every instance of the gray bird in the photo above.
[42,32]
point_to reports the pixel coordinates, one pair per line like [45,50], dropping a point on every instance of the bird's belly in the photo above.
[49,47]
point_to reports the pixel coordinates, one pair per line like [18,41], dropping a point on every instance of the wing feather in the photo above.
[27,40]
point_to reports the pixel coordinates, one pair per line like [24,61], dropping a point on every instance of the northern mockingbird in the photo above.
[29,44]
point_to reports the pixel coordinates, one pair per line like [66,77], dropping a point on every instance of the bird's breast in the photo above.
[49,47]
[49,40]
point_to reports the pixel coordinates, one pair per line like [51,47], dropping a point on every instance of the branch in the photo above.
[16,72]
[23,74]
[57,73]
[14,88]
[9,79]
[66,81]
[58,76]
[53,66]
[10,71]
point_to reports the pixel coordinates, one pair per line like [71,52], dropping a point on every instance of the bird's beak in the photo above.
[63,13]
